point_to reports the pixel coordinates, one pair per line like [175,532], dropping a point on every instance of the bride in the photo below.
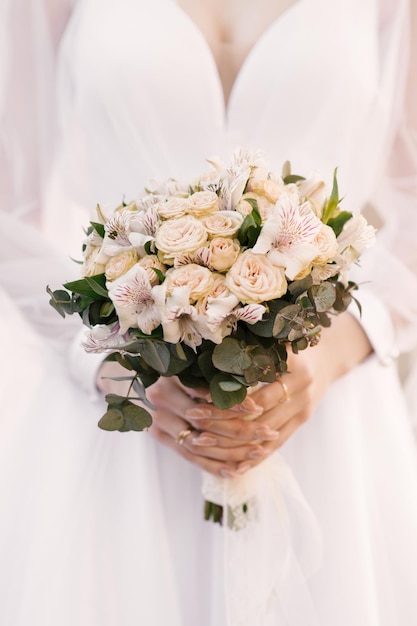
[96,97]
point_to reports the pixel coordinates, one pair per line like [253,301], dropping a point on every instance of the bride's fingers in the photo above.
[236,430]
[269,447]
[245,410]
[213,466]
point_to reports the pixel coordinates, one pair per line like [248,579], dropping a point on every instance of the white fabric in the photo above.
[101,528]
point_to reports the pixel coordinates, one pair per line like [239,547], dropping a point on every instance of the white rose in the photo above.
[203,203]
[183,235]
[120,264]
[223,224]
[223,253]
[172,208]
[149,263]
[253,279]
[198,279]
[326,243]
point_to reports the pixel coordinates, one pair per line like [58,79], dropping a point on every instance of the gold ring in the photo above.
[286,395]
[183,435]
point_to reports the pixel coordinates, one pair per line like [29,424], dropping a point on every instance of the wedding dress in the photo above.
[98,528]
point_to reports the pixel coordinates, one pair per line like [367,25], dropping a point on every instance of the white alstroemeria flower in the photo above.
[168,187]
[146,202]
[221,324]
[134,302]
[288,236]
[178,317]
[102,338]
[357,235]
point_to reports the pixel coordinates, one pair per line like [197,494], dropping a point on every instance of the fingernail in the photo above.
[226,473]
[243,469]
[204,440]
[198,413]
[264,432]
[256,453]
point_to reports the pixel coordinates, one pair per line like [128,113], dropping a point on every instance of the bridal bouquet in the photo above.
[212,280]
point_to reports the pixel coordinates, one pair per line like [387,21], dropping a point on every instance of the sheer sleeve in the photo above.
[393,262]
[29,38]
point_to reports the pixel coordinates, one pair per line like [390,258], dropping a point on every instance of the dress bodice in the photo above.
[146,94]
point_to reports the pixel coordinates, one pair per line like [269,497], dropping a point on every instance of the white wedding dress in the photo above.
[106,529]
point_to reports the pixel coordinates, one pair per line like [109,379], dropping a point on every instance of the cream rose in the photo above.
[244,207]
[326,243]
[149,263]
[120,264]
[93,262]
[253,279]
[218,289]
[198,279]
[172,208]
[203,203]
[183,235]
[269,189]
[223,253]
[223,224]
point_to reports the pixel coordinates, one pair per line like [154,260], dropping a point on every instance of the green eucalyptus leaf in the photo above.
[262,369]
[323,296]
[156,354]
[112,420]
[298,287]
[280,326]
[229,356]
[206,366]
[114,399]
[225,399]
[61,301]
[324,320]
[136,417]
[230,385]
[264,328]
[295,333]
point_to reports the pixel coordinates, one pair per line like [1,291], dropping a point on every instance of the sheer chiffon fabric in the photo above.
[102,529]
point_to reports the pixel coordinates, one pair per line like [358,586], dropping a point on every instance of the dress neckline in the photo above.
[228,103]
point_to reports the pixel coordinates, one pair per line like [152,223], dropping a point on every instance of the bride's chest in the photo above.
[157,54]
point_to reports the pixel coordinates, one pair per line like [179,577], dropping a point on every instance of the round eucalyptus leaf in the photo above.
[136,417]
[230,357]
[112,420]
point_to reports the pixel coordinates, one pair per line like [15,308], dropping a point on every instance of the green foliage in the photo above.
[251,226]
[331,207]
[99,228]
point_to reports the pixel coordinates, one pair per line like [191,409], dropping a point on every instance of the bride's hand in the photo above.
[228,438]
[224,443]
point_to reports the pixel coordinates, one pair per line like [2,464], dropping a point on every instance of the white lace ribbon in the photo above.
[271,550]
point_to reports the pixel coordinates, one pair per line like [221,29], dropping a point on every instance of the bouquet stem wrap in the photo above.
[270,557]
